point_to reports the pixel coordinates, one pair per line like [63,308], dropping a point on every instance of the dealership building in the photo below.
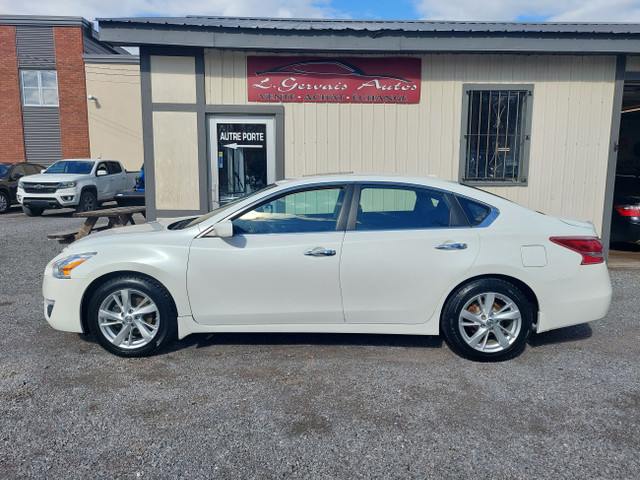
[529,111]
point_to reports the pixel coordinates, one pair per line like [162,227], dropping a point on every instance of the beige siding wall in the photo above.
[175,150]
[173,79]
[115,118]
[572,109]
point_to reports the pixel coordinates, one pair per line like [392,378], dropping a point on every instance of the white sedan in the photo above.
[342,254]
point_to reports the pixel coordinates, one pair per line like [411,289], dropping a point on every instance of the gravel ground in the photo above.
[308,406]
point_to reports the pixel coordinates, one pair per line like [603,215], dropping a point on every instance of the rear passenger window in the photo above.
[392,208]
[114,167]
[475,212]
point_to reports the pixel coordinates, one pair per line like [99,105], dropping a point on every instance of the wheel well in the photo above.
[93,189]
[519,284]
[93,286]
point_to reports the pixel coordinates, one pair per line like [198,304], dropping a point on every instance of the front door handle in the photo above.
[320,252]
[451,246]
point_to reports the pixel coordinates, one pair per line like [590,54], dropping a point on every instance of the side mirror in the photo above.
[224,229]
[101,173]
[16,176]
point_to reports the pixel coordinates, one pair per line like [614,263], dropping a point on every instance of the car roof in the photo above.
[426,181]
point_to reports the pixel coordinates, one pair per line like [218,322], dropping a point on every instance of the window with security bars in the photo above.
[495,145]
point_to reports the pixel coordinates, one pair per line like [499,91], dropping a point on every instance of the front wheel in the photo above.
[132,316]
[487,320]
[32,211]
[88,202]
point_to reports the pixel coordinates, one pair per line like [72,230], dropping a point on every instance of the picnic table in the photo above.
[117,217]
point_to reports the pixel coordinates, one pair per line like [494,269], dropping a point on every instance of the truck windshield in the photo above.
[67,166]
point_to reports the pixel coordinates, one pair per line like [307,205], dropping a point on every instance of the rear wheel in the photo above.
[88,202]
[132,316]
[4,202]
[32,211]
[487,320]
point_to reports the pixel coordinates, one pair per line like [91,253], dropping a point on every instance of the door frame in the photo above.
[214,148]
[246,111]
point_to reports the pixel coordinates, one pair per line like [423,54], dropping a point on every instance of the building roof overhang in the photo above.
[372,35]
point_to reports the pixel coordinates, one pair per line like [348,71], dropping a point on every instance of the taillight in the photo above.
[589,247]
[628,210]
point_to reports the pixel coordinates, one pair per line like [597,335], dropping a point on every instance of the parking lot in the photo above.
[308,406]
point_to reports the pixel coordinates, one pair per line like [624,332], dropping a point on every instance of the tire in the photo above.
[88,201]
[32,211]
[147,323]
[494,334]
[5,202]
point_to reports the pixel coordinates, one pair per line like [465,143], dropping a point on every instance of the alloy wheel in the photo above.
[490,322]
[128,319]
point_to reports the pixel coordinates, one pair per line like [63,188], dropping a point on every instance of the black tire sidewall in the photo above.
[453,307]
[168,327]
[32,211]
[83,196]
[8,202]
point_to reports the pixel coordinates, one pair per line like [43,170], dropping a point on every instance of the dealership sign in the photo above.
[333,80]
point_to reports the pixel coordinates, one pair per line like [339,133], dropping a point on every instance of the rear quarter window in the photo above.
[476,212]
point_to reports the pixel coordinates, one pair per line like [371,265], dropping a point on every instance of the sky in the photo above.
[479,10]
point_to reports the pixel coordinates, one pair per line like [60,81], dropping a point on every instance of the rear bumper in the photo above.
[584,298]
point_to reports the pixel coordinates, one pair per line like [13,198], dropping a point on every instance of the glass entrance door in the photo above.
[242,156]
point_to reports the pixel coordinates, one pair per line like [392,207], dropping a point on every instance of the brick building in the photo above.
[43,94]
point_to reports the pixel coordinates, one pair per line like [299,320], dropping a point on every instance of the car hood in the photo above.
[132,233]
[53,177]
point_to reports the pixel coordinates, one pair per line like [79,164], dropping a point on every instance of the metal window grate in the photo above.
[495,135]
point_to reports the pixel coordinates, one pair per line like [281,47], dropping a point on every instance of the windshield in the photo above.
[70,166]
[215,212]
[4,169]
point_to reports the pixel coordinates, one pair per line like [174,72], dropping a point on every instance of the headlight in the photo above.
[21,184]
[66,185]
[62,268]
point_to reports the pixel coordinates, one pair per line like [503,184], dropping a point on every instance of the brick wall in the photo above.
[72,92]
[11,134]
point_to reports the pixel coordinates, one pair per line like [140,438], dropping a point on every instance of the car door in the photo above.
[280,267]
[103,181]
[14,176]
[405,245]
[119,177]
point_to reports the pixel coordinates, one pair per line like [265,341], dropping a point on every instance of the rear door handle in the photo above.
[451,246]
[320,252]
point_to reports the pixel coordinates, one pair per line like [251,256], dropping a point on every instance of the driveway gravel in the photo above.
[259,406]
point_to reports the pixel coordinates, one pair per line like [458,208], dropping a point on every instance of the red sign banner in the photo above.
[333,80]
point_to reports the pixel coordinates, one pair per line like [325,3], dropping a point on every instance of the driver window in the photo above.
[18,170]
[102,167]
[298,212]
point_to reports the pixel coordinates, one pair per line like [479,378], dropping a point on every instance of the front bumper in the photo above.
[63,301]
[60,199]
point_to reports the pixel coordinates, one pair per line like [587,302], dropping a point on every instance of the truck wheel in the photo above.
[32,211]
[4,202]
[88,202]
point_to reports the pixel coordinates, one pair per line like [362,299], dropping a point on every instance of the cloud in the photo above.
[91,9]
[539,10]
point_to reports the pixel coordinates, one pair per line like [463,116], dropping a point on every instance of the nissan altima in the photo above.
[341,254]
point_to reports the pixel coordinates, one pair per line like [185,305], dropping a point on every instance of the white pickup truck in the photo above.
[82,184]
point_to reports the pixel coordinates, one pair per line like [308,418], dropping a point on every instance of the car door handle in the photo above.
[319,252]
[452,246]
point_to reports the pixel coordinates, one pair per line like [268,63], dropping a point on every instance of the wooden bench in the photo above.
[117,217]
[73,235]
